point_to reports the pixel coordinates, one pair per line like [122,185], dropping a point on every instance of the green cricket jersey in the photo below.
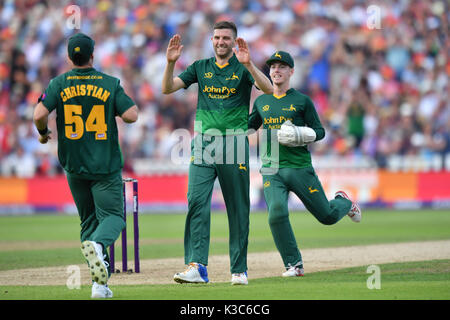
[271,112]
[87,102]
[223,95]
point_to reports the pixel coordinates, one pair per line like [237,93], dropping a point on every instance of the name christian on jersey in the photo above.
[84,90]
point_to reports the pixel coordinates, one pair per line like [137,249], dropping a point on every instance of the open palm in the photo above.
[174,48]
[243,54]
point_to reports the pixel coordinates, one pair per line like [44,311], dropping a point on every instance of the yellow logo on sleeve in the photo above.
[266,184]
[311,190]
[242,167]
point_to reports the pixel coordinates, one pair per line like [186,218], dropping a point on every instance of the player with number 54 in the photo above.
[87,102]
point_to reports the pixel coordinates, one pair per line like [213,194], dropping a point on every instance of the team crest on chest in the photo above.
[233,77]
[291,108]
[208,75]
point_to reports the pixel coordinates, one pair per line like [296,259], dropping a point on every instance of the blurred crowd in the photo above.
[379,82]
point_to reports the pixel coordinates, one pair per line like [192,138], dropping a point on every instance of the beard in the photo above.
[225,52]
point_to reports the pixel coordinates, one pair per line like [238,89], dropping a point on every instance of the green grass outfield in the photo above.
[32,241]
[403,281]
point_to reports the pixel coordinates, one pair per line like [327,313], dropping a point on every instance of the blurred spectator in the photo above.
[379,92]
[19,164]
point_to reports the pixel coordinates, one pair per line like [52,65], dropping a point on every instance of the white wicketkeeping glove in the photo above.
[293,136]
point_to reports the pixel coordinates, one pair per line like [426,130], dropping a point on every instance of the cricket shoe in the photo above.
[355,210]
[239,278]
[93,253]
[195,273]
[294,272]
[100,291]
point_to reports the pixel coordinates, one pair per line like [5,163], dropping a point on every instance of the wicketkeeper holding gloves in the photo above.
[297,123]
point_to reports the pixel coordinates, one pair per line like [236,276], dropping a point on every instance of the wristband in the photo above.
[43,132]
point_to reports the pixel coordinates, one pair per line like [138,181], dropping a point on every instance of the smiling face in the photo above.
[280,73]
[223,42]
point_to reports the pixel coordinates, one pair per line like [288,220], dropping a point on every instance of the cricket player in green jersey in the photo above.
[220,148]
[87,103]
[288,168]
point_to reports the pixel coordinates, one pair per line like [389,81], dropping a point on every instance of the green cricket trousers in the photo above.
[306,185]
[225,158]
[99,202]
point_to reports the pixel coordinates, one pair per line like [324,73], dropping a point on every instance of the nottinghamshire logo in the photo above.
[233,77]
[291,108]
[219,92]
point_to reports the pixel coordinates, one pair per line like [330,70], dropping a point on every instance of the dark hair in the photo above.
[80,59]
[226,25]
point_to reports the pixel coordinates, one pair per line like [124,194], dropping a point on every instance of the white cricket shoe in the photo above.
[195,273]
[355,210]
[100,291]
[239,278]
[92,252]
[294,272]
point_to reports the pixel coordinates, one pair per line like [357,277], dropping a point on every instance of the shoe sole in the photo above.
[356,217]
[239,283]
[345,196]
[101,296]
[178,280]
[97,268]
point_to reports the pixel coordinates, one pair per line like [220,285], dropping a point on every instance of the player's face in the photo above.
[223,42]
[280,72]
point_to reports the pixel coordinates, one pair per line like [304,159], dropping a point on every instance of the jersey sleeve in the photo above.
[254,120]
[189,76]
[122,101]
[312,119]
[50,96]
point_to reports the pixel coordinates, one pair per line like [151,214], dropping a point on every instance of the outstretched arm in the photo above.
[243,55]
[169,83]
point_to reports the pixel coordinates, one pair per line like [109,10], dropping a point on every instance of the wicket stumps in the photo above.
[124,231]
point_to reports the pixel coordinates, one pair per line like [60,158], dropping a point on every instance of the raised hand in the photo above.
[243,54]
[174,48]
